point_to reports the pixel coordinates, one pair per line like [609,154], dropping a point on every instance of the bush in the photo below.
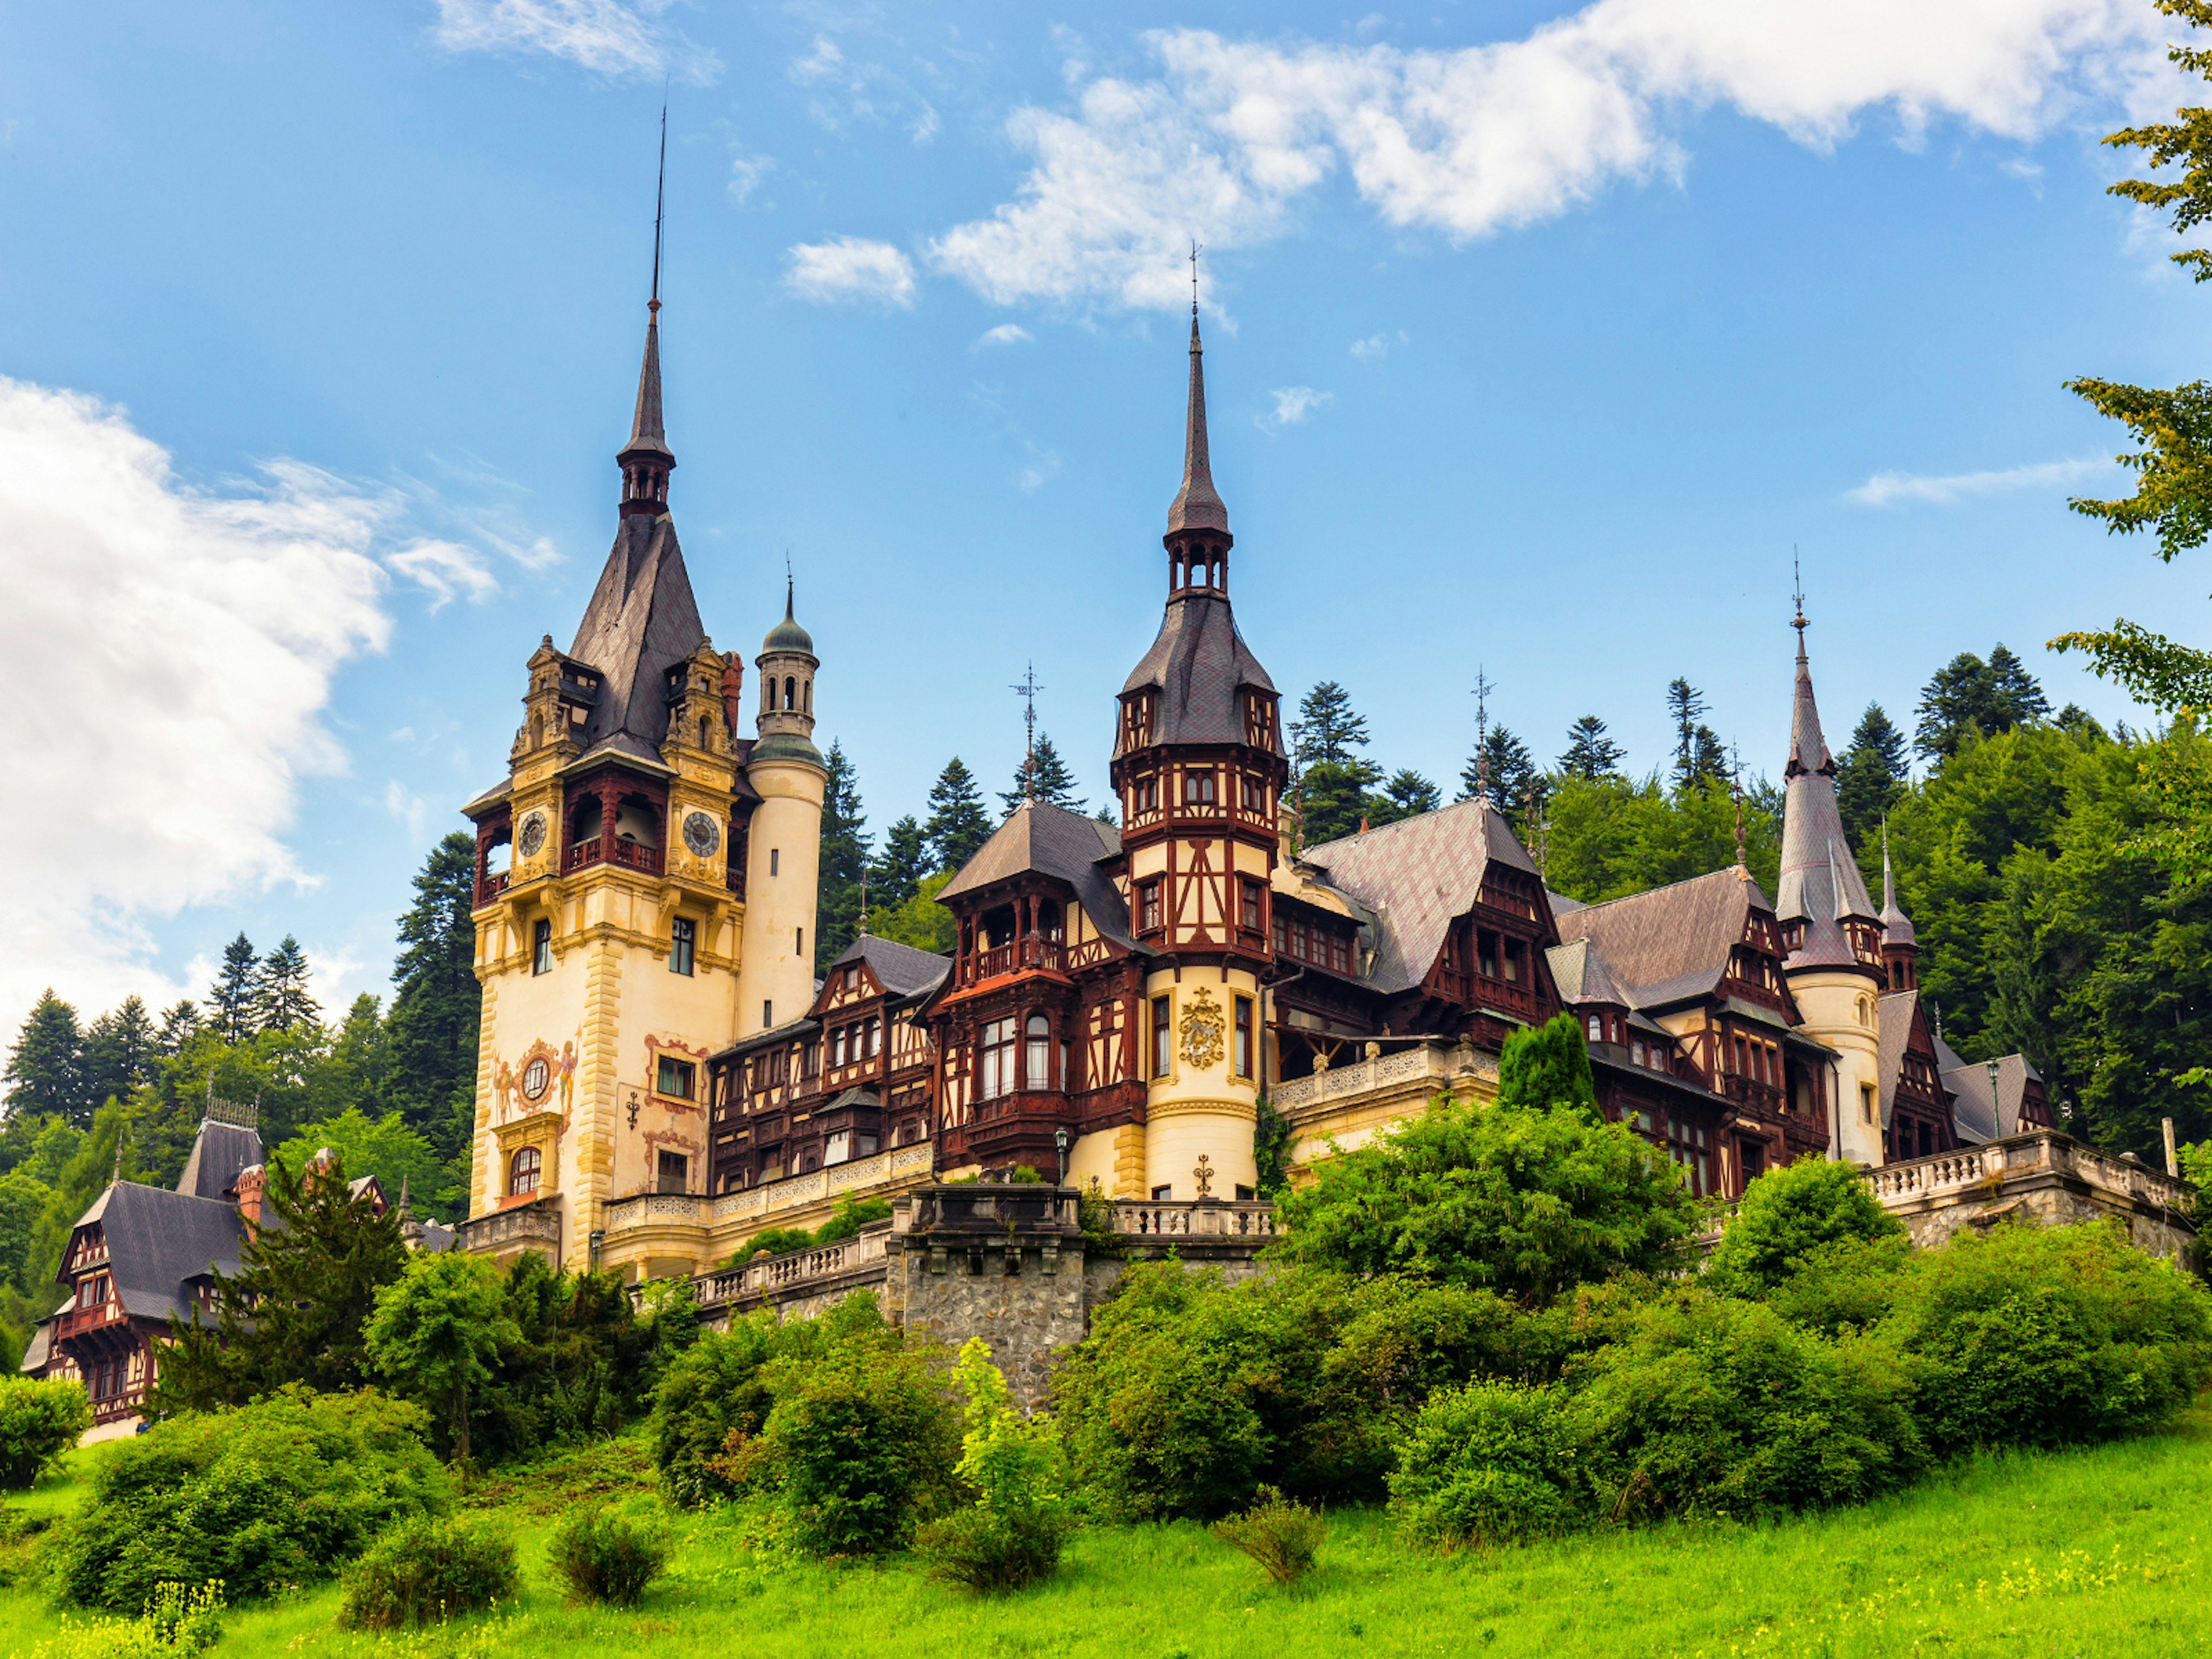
[426,1570]
[39,1419]
[176,1622]
[861,1445]
[1284,1538]
[2046,1337]
[1012,1534]
[1789,1214]
[278,1492]
[716,1389]
[772,1241]
[850,1215]
[1524,1200]
[1488,1464]
[599,1556]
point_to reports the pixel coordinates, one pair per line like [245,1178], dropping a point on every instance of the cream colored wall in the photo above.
[1200,1110]
[1833,1004]
[787,822]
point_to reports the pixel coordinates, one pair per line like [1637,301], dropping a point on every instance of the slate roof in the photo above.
[1198,505]
[1054,842]
[1199,664]
[1978,1117]
[219,1153]
[1671,943]
[645,427]
[1582,975]
[903,970]
[1416,875]
[641,623]
[1894,1025]
[157,1240]
[1896,926]
[1820,881]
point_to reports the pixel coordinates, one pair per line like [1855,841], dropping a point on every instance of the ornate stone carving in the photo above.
[530,840]
[1203,1029]
[701,835]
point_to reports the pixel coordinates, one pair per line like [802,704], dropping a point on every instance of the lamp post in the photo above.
[1060,1142]
[1997,1107]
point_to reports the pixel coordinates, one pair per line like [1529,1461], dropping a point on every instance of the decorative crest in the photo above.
[1026,688]
[1204,1172]
[1797,595]
[1483,687]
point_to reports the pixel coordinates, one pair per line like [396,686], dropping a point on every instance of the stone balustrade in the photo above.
[761,1205]
[502,1233]
[1195,1218]
[1430,1067]
[794,1270]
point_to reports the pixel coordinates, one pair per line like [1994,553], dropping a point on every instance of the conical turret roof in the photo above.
[1896,926]
[644,428]
[1198,505]
[1821,882]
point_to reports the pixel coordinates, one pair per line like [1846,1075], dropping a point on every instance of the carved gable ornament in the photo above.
[1203,1029]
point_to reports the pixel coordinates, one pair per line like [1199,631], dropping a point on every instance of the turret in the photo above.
[784,853]
[1900,946]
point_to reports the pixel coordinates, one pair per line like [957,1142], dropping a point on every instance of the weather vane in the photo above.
[1483,688]
[1797,592]
[1026,688]
[659,199]
[1193,276]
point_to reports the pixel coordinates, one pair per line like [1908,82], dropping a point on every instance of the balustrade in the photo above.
[634,855]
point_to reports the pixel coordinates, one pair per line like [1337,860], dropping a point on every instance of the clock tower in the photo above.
[645,890]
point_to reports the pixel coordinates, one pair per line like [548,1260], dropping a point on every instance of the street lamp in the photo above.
[1059,1141]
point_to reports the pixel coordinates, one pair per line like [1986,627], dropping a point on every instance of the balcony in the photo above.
[1015,957]
[759,1206]
[491,887]
[632,854]
[535,1226]
[1764,1099]
[1411,1074]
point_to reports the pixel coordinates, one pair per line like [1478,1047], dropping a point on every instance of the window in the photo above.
[1148,906]
[674,1078]
[674,1171]
[1339,953]
[1144,794]
[869,1033]
[837,1046]
[998,1060]
[541,947]
[1636,1050]
[1301,947]
[522,1172]
[1198,788]
[1866,1102]
[682,936]
[1242,1057]
[1255,793]
[1513,960]
[1597,1028]
[775,859]
[1282,935]
[798,941]
[1036,1059]
[767,1013]
[1163,1047]
[838,1148]
[790,692]
[1486,952]
[1163,1194]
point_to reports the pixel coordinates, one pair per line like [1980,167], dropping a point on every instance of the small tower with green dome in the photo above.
[783,854]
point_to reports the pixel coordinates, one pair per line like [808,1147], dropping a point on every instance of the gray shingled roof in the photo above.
[1894,1012]
[158,1239]
[1581,975]
[1199,664]
[641,624]
[1671,943]
[1972,1108]
[902,969]
[220,1150]
[1820,880]
[1896,926]
[1417,875]
[1054,842]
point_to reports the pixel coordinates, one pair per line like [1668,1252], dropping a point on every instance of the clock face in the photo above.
[531,841]
[535,1077]
[701,835]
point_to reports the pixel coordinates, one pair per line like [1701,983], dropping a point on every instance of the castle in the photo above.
[662,1074]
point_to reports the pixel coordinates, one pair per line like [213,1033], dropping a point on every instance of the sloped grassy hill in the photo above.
[2093,1553]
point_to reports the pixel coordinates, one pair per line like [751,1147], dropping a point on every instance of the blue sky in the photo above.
[1538,336]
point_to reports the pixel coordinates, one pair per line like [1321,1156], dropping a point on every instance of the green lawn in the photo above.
[2089,1553]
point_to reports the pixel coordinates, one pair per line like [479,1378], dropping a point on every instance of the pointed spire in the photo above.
[1820,883]
[646,460]
[1198,505]
[1896,926]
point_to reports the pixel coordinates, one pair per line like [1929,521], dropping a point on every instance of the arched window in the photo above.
[768,692]
[806,698]
[1597,1028]
[790,692]
[1037,1060]
[702,731]
[522,1170]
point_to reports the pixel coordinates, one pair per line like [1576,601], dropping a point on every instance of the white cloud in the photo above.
[1005,334]
[1887,488]
[1227,138]
[443,569]
[1293,404]
[409,808]
[1043,467]
[746,172]
[850,269]
[1373,348]
[604,36]
[166,652]
[924,125]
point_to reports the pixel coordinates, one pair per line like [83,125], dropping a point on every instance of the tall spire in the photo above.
[646,460]
[1821,882]
[1198,505]
[1896,926]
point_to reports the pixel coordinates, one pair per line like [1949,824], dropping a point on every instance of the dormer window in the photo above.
[1198,788]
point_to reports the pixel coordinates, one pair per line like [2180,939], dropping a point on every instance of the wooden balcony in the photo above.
[630,853]
[1019,955]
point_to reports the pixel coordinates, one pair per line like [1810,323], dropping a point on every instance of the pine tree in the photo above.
[1590,754]
[46,1068]
[306,1286]
[121,1053]
[1547,1066]
[2013,692]
[905,862]
[231,999]
[1326,730]
[1968,695]
[281,994]
[1407,795]
[844,859]
[1699,755]
[1708,758]
[1870,777]
[431,1036]
[1046,776]
[958,825]
[180,1023]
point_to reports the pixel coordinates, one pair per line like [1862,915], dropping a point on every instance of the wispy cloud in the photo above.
[1043,467]
[443,569]
[604,36]
[409,808]
[1292,404]
[1373,348]
[1225,137]
[850,268]
[1889,488]
[1005,334]
[746,172]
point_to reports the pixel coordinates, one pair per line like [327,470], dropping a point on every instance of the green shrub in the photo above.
[177,1622]
[427,1571]
[599,1556]
[1703,1405]
[772,1241]
[1786,1216]
[859,1445]
[1526,1201]
[2046,1337]
[714,1390]
[1283,1537]
[39,1419]
[1012,1534]
[1487,1464]
[1188,1392]
[280,1491]
[850,1215]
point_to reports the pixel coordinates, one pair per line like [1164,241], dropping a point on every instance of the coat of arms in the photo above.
[1202,1031]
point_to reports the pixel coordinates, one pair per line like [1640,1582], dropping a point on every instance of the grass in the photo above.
[2082,1553]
